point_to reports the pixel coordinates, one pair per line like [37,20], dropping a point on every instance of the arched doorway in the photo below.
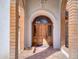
[42,31]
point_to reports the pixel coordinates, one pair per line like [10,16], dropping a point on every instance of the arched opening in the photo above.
[42,31]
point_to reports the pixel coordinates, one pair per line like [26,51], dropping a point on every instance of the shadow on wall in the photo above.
[44,54]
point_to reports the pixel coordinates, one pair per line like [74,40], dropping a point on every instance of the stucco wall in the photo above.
[4,29]
[53,7]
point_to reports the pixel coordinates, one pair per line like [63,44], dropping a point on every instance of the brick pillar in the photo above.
[73,29]
[13,29]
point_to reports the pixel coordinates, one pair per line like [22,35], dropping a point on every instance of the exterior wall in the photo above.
[73,28]
[4,29]
[14,29]
[72,8]
[53,7]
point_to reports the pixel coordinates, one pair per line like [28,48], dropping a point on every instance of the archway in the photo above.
[56,29]
[42,31]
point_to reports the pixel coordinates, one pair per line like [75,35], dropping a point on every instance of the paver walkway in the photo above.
[42,53]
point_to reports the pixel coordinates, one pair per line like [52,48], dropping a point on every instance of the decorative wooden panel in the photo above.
[42,32]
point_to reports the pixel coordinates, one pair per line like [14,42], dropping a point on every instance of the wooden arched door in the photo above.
[42,32]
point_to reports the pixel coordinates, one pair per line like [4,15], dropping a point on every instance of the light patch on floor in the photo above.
[45,43]
[42,53]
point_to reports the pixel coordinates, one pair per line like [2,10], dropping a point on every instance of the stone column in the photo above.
[63,9]
[13,29]
[73,29]
[21,28]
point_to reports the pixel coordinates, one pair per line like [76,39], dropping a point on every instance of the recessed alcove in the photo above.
[42,31]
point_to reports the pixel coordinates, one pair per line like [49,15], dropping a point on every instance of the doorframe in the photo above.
[51,27]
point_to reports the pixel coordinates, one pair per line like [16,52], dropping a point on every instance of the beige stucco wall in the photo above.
[21,28]
[53,8]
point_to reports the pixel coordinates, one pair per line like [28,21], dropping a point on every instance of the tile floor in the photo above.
[42,52]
